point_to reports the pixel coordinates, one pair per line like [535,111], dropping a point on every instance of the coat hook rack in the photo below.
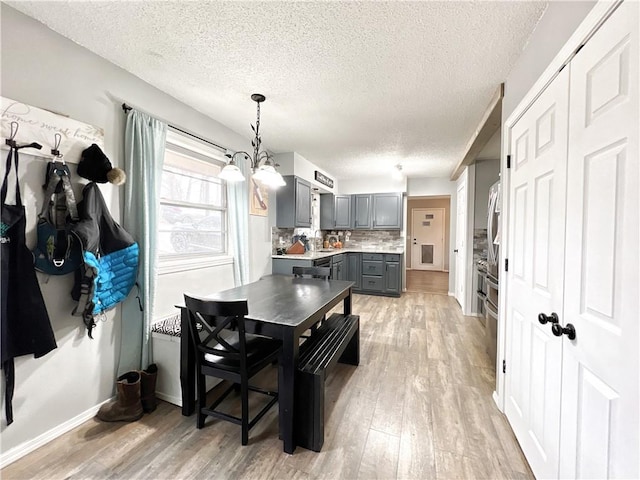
[55,151]
[14,131]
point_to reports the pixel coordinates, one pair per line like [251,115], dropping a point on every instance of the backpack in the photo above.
[58,250]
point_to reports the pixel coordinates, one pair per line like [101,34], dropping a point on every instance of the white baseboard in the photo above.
[170,398]
[498,401]
[23,449]
[451,294]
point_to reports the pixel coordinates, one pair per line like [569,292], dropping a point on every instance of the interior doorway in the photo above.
[427,239]
[432,274]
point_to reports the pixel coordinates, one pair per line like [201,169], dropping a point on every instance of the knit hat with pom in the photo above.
[95,166]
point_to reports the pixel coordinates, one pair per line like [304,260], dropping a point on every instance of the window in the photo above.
[192,223]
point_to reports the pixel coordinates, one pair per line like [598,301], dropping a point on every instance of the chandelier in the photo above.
[262,164]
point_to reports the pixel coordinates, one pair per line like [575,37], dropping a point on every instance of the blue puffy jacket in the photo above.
[110,258]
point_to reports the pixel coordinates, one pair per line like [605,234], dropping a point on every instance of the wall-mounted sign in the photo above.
[323,179]
[37,125]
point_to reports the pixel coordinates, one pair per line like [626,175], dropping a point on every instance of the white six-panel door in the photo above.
[600,399]
[537,196]
[573,249]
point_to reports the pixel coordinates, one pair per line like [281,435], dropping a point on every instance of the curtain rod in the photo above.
[126,108]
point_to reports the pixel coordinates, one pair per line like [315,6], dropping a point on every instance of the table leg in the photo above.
[187,365]
[286,390]
[346,306]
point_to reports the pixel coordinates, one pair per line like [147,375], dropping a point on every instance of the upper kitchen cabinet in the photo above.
[387,211]
[362,211]
[378,211]
[294,203]
[335,211]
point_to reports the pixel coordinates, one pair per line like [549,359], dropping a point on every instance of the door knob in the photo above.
[543,319]
[569,330]
[455,251]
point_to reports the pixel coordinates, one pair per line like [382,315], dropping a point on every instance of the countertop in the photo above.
[336,251]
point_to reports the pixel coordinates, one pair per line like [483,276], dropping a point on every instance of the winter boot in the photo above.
[127,406]
[148,379]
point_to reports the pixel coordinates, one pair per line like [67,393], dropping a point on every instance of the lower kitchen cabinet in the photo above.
[381,274]
[372,273]
[392,274]
[339,267]
[354,269]
[284,266]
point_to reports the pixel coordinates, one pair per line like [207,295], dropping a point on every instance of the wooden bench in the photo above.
[336,340]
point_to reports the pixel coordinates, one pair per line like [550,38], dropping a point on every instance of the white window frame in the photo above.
[188,145]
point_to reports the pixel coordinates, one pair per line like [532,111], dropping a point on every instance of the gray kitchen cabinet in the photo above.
[284,265]
[377,211]
[335,211]
[338,267]
[392,274]
[354,269]
[372,272]
[293,203]
[362,205]
[381,274]
[387,211]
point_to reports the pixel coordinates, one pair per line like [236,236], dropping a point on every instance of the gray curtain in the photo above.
[144,155]
[238,195]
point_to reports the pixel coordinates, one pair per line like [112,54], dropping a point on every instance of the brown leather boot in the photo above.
[127,406]
[148,388]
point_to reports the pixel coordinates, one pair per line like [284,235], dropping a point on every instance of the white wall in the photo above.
[487,173]
[292,163]
[431,187]
[556,25]
[372,185]
[41,68]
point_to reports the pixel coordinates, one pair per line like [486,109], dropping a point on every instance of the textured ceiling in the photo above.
[354,87]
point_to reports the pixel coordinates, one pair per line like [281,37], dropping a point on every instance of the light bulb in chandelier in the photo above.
[261,165]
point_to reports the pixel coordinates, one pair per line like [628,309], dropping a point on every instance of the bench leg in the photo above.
[310,410]
[351,354]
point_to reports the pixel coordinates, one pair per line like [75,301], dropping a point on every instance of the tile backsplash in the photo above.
[479,243]
[384,239]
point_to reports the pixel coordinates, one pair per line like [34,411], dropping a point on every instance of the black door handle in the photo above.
[569,330]
[553,318]
[455,251]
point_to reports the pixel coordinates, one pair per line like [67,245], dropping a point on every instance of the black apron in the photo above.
[24,321]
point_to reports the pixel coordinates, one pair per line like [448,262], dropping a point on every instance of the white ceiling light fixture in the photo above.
[262,166]
[397,173]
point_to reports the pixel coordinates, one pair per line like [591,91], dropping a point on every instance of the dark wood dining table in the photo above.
[282,307]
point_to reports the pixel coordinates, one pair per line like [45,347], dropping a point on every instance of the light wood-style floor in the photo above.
[419,406]
[426,281]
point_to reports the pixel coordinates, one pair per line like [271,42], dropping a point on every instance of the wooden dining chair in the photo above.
[234,356]
[313,272]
